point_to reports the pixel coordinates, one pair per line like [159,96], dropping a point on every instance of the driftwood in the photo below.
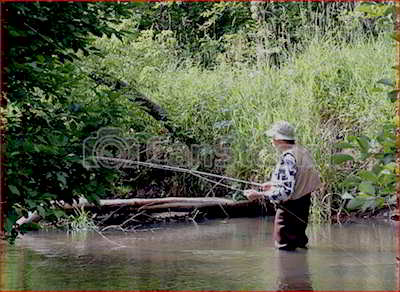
[216,206]
[33,217]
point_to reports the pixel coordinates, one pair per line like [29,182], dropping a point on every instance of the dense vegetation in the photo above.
[196,85]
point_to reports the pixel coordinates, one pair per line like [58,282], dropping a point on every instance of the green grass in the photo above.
[326,91]
[81,221]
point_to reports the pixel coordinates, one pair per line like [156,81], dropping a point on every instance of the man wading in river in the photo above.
[294,179]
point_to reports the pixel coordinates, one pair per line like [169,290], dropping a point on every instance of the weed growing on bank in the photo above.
[328,91]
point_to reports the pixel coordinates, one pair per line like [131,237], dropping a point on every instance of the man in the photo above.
[294,179]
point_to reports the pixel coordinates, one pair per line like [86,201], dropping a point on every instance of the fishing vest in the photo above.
[307,176]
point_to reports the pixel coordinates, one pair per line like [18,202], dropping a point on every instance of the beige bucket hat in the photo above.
[281,130]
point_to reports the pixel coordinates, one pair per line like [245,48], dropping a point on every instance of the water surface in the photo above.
[234,254]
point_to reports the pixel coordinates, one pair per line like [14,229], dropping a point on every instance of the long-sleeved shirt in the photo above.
[283,179]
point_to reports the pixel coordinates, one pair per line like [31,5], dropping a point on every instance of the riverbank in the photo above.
[130,219]
[386,214]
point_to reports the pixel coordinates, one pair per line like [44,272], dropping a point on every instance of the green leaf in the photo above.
[380,202]
[14,154]
[93,198]
[388,182]
[340,158]
[355,203]
[345,145]
[367,188]
[31,203]
[351,181]
[14,190]
[390,9]
[368,176]
[48,196]
[369,204]
[376,89]
[58,213]
[351,138]
[61,177]
[41,211]
[363,142]
[390,166]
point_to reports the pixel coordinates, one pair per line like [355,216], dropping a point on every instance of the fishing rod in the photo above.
[199,174]
[180,169]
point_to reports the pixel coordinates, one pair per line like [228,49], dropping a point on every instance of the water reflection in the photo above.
[235,254]
[293,271]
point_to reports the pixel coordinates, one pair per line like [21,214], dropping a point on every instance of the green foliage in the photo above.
[238,103]
[339,158]
[37,43]
[222,71]
[374,183]
[46,124]
[267,32]
[194,25]
[81,221]
[383,12]
[336,98]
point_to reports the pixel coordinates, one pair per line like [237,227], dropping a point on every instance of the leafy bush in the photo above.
[370,182]
[46,127]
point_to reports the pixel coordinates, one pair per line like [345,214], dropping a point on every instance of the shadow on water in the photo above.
[236,254]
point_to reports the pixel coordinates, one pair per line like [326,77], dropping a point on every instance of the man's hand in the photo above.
[253,195]
[266,186]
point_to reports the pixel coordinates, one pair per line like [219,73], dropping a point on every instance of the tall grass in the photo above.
[328,91]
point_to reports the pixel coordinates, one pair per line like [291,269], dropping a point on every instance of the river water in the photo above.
[234,254]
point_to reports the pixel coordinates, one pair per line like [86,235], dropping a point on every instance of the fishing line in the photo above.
[183,170]
[196,173]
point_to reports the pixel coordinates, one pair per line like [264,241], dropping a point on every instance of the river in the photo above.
[232,254]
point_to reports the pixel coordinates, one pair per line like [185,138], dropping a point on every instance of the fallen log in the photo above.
[145,203]
[33,217]
[216,206]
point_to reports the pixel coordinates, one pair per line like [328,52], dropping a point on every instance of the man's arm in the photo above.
[284,179]
[282,184]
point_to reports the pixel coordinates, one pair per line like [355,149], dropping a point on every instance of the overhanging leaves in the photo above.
[340,158]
